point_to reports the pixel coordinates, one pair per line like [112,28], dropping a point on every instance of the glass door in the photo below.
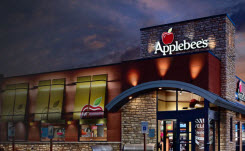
[167,135]
[185,135]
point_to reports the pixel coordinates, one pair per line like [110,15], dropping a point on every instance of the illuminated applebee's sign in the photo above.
[169,48]
[239,94]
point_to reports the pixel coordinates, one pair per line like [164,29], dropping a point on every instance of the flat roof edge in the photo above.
[213,16]
[114,64]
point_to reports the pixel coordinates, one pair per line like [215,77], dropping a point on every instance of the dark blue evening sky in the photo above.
[43,35]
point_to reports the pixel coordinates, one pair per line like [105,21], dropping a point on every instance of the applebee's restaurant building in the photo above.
[184,85]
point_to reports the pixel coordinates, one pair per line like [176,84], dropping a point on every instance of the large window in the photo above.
[172,100]
[167,100]
[243,136]
[59,132]
[93,130]
[237,136]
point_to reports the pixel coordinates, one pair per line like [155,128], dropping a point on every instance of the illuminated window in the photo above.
[93,130]
[59,132]
[170,100]
[237,136]
[189,101]
[166,100]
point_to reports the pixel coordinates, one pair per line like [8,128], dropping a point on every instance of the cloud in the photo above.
[34,34]
[89,38]
[92,42]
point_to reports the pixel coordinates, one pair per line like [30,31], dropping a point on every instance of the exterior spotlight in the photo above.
[180,92]
[160,88]
[130,97]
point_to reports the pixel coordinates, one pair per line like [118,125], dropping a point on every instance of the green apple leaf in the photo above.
[97,101]
[170,30]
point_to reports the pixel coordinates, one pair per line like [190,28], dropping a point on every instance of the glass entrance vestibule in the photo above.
[186,122]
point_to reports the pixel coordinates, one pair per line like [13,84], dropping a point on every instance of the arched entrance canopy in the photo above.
[122,98]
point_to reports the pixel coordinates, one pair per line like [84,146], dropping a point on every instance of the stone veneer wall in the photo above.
[141,108]
[56,146]
[221,33]
[218,29]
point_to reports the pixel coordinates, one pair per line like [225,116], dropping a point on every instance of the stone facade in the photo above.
[56,146]
[141,108]
[220,32]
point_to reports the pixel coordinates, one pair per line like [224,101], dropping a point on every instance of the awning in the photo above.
[122,99]
[41,107]
[49,100]
[90,97]
[14,102]
[56,99]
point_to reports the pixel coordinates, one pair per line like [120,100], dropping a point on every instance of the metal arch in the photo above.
[122,98]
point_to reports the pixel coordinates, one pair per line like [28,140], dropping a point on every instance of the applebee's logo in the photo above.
[169,48]
[239,94]
[167,37]
[92,111]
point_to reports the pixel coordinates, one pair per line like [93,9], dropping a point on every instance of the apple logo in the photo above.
[167,37]
[92,111]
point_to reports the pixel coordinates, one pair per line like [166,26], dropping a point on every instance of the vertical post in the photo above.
[51,144]
[13,135]
[219,129]
[144,143]
[206,125]
[13,143]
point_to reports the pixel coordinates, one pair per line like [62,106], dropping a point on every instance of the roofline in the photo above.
[213,16]
[140,59]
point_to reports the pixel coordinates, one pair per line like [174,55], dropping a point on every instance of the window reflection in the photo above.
[167,100]
[186,100]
